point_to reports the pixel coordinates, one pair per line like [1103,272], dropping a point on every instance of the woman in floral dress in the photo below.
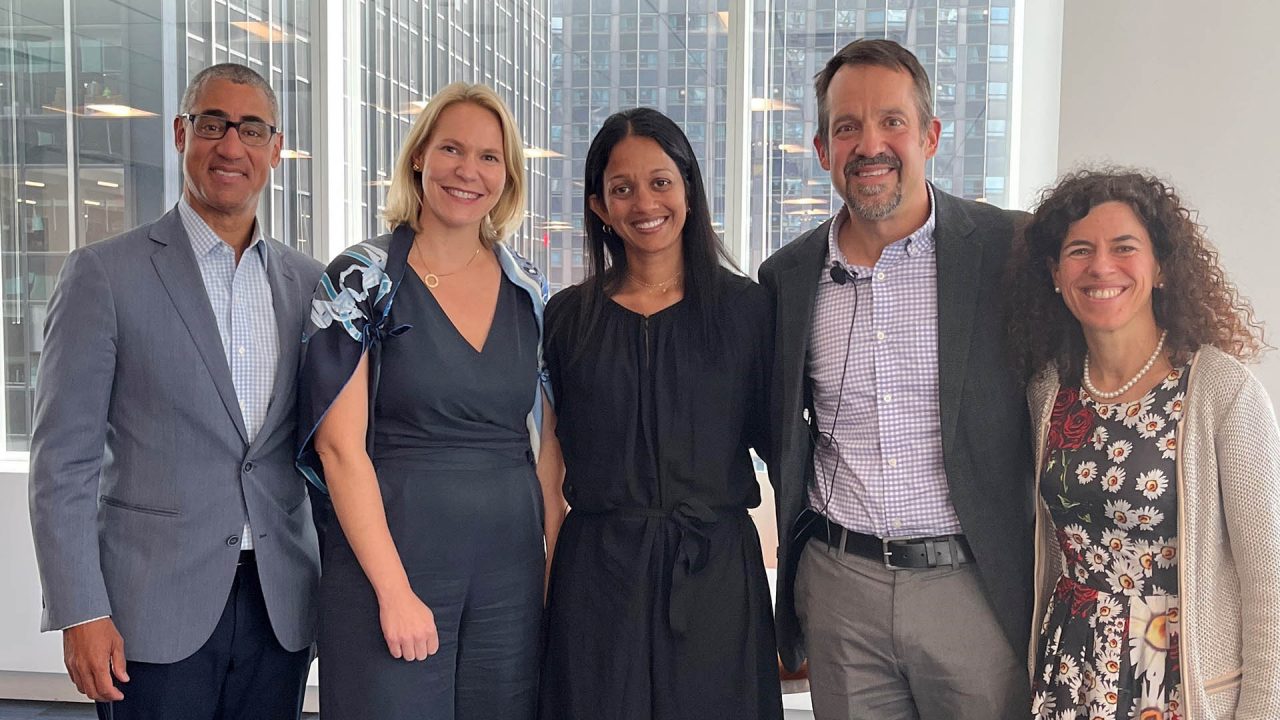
[1106,481]
[1158,526]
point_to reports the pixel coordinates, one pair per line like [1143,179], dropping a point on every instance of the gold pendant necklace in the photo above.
[432,280]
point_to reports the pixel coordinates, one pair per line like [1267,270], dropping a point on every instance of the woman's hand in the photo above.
[408,626]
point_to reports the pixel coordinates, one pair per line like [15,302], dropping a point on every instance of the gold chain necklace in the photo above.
[431,279]
[661,287]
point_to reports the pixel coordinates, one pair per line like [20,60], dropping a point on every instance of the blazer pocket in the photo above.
[293,505]
[1224,682]
[146,509]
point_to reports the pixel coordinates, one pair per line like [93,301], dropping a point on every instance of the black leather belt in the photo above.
[897,554]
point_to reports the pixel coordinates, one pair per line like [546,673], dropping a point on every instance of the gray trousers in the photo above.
[903,644]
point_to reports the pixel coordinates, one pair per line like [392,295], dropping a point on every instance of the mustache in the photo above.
[857,164]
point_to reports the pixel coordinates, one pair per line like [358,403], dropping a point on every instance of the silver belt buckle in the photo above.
[888,554]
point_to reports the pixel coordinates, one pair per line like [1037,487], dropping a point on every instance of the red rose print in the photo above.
[1062,404]
[1076,428]
[1070,423]
[1083,598]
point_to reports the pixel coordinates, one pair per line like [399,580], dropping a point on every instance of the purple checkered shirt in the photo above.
[883,475]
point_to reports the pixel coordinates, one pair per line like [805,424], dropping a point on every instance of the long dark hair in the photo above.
[1198,305]
[702,251]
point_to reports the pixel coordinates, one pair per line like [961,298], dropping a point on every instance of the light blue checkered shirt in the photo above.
[884,476]
[240,296]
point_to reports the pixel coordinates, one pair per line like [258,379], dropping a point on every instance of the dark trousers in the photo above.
[469,533]
[241,672]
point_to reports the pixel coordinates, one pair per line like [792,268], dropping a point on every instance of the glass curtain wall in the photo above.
[90,87]
[608,55]
[89,91]
[407,50]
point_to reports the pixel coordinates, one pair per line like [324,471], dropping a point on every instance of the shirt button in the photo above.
[880,275]
[897,524]
[880,335]
[240,350]
[233,541]
[893,462]
[888,397]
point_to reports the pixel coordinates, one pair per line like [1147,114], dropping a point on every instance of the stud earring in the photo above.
[1057,289]
[608,230]
[416,168]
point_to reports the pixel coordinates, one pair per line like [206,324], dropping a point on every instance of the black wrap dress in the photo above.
[659,604]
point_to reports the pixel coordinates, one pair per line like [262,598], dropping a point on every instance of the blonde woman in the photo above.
[424,417]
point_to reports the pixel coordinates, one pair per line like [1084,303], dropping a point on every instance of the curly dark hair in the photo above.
[1198,305]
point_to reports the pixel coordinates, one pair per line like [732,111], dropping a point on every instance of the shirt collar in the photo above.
[205,240]
[918,242]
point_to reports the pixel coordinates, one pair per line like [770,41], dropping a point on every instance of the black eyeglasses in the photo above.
[212,127]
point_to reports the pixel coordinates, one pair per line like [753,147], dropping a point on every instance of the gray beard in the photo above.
[867,208]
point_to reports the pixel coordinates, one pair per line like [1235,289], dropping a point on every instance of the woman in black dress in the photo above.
[659,606]
[424,415]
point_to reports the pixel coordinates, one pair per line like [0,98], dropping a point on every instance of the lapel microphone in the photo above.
[840,276]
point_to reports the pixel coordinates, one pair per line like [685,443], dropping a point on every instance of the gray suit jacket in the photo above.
[985,428]
[141,472]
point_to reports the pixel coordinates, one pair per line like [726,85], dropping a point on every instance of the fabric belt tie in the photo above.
[694,522]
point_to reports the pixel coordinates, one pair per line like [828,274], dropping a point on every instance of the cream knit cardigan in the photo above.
[1228,485]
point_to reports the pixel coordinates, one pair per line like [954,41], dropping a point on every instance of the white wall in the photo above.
[1187,89]
[22,647]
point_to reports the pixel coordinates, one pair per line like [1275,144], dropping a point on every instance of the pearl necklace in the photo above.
[1099,395]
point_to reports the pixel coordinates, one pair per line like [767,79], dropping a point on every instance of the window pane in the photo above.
[88,151]
[679,58]
[790,192]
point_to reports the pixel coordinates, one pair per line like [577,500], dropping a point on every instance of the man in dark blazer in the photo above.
[174,537]
[902,464]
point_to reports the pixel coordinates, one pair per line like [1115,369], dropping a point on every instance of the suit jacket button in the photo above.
[233,541]
[248,467]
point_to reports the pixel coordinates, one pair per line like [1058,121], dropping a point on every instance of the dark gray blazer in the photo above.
[985,428]
[140,467]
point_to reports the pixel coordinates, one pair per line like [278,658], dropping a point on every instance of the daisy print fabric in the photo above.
[1108,648]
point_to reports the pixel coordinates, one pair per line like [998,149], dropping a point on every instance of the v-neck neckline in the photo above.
[493,318]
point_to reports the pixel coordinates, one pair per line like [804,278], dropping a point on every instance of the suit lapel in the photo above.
[286,298]
[175,263]
[797,292]
[959,260]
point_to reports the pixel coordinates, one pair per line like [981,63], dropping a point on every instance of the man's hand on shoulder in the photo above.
[93,652]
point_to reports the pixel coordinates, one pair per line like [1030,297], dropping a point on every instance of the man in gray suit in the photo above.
[901,464]
[174,537]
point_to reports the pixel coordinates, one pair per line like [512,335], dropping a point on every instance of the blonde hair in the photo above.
[404,197]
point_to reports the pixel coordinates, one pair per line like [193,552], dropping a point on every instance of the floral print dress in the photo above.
[1108,648]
